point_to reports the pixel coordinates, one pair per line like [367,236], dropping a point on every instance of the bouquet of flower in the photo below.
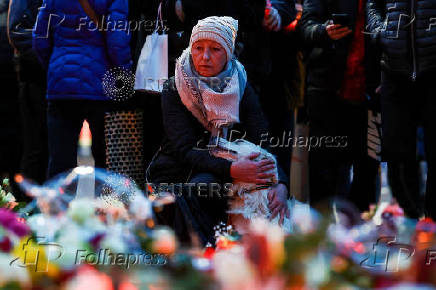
[12,230]
[84,217]
[7,200]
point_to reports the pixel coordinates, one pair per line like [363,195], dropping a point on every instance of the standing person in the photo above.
[76,56]
[336,88]
[32,88]
[10,139]
[270,55]
[407,36]
[145,12]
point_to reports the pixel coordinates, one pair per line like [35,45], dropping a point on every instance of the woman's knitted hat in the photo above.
[220,29]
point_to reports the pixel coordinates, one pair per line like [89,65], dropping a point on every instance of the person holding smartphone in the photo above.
[337,85]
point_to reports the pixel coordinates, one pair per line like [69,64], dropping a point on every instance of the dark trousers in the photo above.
[33,116]
[280,119]
[406,104]
[33,111]
[201,204]
[153,124]
[65,119]
[338,135]
[10,137]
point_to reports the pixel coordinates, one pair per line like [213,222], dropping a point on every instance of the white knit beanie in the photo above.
[220,29]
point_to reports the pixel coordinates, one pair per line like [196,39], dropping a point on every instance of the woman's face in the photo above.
[209,57]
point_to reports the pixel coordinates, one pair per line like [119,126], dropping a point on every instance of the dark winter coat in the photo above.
[10,137]
[184,135]
[326,59]
[22,18]
[144,14]
[6,51]
[261,47]
[409,44]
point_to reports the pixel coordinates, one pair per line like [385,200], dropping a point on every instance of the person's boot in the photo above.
[403,179]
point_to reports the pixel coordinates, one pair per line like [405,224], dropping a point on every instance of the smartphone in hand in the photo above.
[342,19]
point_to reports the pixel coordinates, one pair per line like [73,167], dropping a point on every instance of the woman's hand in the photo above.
[179,11]
[272,21]
[337,31]
[278,202]
[249,171]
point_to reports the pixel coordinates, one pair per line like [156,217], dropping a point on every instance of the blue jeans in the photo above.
[64,120]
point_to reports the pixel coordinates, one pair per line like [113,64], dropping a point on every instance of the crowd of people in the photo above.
[254,67]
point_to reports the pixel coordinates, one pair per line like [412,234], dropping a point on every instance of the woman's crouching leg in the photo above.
[203,204]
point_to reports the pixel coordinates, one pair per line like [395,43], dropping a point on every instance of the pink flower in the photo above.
[19,229]
[394,210]
[9,221]
[7,217]
[96,240]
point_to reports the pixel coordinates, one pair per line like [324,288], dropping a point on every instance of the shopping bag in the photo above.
[152,68]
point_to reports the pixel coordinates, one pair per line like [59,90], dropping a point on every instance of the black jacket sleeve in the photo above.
[286,9]
[179,128]
[375,18]
[249,13]
[22,18]
[256,125]
[313,23]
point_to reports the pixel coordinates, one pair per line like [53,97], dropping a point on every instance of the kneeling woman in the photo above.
[210,92]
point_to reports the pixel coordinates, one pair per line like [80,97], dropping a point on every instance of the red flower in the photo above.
[209,252]
[426,225]
[5,245]
[256,250]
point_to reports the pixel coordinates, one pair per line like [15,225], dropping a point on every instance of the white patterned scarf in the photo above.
[214,101]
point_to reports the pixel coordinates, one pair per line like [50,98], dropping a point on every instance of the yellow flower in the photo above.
[32,255]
